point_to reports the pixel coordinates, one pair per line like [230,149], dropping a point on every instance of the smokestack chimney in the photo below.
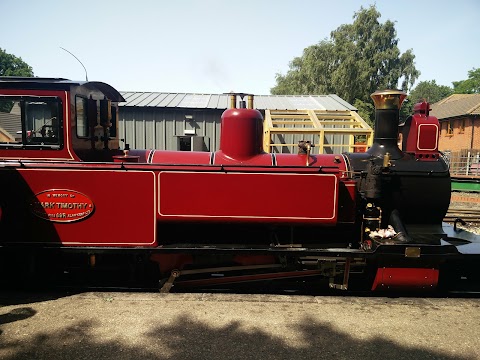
[387,115]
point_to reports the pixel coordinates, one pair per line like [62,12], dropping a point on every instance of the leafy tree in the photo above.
[359,59]
[10,65]
[365,110]
[428,91]
[469,86]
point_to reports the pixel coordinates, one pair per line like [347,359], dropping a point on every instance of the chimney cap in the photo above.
[388,99]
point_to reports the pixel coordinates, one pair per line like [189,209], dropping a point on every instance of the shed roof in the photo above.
[221,101]
[456,105]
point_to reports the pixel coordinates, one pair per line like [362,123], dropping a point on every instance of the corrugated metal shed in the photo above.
[221,101]
[188,121]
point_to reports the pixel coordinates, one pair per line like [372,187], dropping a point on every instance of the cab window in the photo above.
[82,119]
[30,121]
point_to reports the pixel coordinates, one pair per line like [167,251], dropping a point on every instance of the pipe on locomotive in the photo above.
[243,104]
[387,115]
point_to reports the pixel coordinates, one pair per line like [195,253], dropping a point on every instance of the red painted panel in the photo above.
[347,201]
[405,279]
[427,137]
[247,197]
[422,137]
[123,204]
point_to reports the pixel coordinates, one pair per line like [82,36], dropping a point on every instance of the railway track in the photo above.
[465,206]
[469,215]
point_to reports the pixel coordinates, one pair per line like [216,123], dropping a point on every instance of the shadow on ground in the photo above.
[16,315]
[189,338]
[16,297]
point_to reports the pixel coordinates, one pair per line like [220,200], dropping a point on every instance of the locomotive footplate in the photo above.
[448,247]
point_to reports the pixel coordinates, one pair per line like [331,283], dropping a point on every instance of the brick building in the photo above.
[459,116]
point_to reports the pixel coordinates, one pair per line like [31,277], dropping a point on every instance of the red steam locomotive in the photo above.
[71,200]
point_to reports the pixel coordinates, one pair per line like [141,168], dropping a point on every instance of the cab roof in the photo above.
[40,83]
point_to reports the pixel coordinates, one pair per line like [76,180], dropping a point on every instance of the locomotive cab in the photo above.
[58,119]
[94,125]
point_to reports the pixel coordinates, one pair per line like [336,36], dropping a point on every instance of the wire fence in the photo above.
[463,162]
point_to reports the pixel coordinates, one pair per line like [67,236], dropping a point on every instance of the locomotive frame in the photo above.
[72,199]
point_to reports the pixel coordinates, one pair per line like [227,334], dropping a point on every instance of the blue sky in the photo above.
[216,46]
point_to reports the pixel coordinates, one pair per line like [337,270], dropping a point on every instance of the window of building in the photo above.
[444,128]
[461,126]
[184,143]
[449,128]
[193,143]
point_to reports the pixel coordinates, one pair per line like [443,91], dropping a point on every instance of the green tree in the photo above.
[359,59]
[469,86]
[365,110]
[428,91]
[10,65]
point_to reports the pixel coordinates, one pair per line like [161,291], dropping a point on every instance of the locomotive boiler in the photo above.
[73,202]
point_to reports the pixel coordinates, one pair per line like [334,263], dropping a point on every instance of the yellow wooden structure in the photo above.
[328,131]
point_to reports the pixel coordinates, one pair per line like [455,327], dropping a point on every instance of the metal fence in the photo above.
[463,162]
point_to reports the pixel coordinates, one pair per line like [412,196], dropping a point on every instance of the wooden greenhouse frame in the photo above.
[328,131]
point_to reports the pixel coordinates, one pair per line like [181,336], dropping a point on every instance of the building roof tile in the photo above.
[456,105]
